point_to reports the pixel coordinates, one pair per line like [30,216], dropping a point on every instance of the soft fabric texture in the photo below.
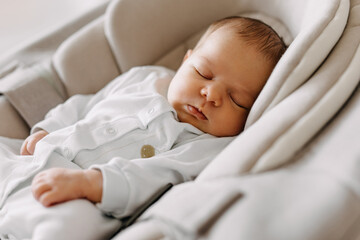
[273,140]
[16,69]
[313,196]
[40,223]
[33,94]
[289,173]
[322,24]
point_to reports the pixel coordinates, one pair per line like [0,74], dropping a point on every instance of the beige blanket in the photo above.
[294,173]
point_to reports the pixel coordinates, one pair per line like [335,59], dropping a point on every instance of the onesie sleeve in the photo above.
[77,106]
[129,184]
[64,114]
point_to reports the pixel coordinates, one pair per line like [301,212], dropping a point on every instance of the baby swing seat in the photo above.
[292,174]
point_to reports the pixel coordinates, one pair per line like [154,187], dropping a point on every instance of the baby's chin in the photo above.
[217,132]
[206,127]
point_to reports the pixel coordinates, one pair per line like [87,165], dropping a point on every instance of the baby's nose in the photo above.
[212,94]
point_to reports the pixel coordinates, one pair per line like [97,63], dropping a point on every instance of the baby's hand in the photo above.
[58,185]
[28,146]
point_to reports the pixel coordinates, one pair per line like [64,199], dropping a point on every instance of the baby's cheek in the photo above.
[229,126]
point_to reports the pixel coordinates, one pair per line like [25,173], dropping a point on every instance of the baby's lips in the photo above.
[196,112]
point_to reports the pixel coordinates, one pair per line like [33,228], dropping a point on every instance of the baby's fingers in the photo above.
[39,188]
[23,149]
[49,198]
[46,194]
[30,147]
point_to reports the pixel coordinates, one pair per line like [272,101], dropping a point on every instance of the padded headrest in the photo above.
[141,32]
[173,59]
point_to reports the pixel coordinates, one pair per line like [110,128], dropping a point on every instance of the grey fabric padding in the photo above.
[84,61]
[34,100]
[12,124]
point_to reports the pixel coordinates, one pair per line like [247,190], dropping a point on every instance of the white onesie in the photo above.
[128,131]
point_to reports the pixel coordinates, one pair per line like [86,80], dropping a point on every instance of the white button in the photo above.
[151,111]
[110,130]
[67,153]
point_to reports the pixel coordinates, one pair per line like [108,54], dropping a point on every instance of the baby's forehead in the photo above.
[218,36]
[222,30]
[211,32]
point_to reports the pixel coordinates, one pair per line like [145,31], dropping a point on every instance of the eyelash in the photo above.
[239,105]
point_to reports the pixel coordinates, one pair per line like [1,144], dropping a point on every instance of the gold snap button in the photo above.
[147,151]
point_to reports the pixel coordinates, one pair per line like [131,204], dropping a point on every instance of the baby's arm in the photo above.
[28,146]
[58,185]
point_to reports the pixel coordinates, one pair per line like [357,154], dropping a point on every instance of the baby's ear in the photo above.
[187,54]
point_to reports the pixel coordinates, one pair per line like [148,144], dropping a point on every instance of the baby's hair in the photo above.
[255,33]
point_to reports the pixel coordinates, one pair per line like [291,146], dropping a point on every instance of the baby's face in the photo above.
[217,84]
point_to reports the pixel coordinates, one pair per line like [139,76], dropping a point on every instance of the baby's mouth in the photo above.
[196,112]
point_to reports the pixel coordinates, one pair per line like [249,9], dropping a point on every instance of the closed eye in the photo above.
[238,104]
[202,74]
